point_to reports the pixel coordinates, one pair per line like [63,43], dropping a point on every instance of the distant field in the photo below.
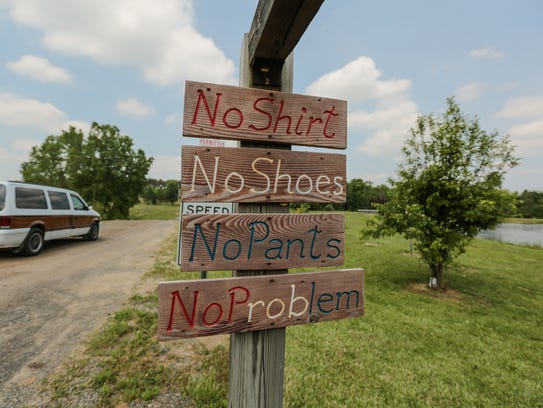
[154,212]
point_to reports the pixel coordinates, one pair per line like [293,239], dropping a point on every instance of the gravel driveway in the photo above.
[48,303]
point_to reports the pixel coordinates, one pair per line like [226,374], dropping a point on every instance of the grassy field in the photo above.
[154,212]
[477,344]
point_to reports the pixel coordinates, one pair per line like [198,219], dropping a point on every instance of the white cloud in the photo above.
[24,145]
[134,108]
[470,91]
[486,53]
[166,168]
[389,126]
[522,107]
[9,164]
[358,81]
[17,111]
[156,37]
[39,69]
[528,137]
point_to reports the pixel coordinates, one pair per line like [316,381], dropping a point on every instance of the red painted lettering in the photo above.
[190,320]
[270,100]
[299,133]
[312,120]
[202,97]
[240,118]
[207,309]
[280,118]
[234,301]
[330,114]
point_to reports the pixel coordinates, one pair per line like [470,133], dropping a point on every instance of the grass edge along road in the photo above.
[477,344]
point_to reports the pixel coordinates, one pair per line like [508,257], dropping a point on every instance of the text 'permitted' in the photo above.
[207,307]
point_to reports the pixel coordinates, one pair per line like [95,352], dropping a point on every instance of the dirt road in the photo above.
[48,303]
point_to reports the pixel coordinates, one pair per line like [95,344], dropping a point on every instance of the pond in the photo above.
[530,234]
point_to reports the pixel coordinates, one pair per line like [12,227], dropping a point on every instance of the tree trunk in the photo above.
[436,276]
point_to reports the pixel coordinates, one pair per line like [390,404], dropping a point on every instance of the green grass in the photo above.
[154,212]
[477,344]
[524,220]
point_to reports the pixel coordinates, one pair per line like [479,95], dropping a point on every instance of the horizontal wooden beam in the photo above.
[277,27]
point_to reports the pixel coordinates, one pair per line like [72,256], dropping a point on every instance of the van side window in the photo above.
[2,196]
[30,198]
[78,204]
[59,201]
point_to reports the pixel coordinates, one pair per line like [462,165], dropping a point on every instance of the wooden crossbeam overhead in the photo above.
[277,27]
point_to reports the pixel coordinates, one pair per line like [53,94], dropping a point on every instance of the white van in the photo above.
[31,214]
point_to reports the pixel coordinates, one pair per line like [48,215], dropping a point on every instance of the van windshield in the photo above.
[2,196]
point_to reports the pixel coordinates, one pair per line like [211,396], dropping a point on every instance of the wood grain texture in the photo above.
[244,304]
[261,241]
[229,112]
[278,26]
[261,175]
[256,373]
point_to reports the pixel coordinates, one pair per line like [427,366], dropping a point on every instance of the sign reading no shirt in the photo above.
[230,112]
[261,175]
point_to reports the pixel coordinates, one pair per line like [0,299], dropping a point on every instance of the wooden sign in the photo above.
[215,306]
[261,241]
[230,112]
[261,175]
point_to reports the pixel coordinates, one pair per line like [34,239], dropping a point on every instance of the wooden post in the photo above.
[257,358]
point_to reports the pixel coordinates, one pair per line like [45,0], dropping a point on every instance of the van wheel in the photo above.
[93,233]
[33,243]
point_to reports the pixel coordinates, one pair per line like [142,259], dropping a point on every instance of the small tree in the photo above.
[448,187]
[172,191]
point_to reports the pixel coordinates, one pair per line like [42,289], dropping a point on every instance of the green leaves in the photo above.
[448,186]
[103,167]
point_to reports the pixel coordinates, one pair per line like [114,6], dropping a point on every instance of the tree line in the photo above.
[361,195]
[105,168]
[447,188]
[365,195]
[527,204]
[157,191]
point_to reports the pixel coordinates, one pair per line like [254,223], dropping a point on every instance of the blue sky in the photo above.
[124,63]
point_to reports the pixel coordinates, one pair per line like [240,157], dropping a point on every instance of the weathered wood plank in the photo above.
[232,305]
[261,241]
[256,372]
[278,25]
[230,112]
[255,175]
